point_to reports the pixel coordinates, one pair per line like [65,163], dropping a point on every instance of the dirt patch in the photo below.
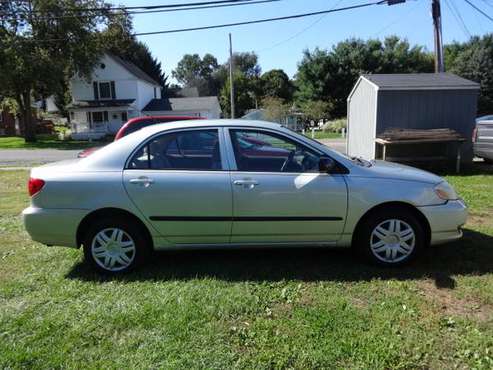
[359,303]
[480,219]
[450,305]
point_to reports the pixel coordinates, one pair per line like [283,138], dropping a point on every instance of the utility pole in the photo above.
[437,27]
[231,84]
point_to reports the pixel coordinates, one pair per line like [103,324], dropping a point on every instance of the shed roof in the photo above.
[420,81]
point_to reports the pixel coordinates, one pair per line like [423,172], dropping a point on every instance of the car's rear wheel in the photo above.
[115,246]
[390,237]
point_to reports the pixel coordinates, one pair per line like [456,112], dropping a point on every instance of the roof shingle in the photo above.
[408,81]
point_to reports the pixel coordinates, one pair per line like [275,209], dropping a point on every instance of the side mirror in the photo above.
[326,164]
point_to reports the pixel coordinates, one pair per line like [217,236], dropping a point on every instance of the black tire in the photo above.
[131,232]
[365,237]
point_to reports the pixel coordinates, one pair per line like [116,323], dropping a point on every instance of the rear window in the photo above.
[151,121]
[137,126]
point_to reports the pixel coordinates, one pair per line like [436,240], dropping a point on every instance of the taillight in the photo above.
[474,134]
[34,186]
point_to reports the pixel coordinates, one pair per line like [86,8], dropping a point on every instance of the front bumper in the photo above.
[53,226]
[446,220]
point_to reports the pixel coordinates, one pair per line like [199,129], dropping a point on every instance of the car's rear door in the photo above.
[180,183]
[278,193]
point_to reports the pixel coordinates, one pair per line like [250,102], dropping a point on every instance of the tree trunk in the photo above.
[27,117]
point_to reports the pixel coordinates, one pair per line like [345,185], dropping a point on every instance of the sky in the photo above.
[281,44]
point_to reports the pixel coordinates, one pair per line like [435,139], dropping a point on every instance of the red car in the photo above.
[136,124]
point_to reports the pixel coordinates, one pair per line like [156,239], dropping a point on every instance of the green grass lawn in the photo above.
[285,308]
[324,135]
[44,142]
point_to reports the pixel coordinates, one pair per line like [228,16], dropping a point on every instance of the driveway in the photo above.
[33,157]
[336,144]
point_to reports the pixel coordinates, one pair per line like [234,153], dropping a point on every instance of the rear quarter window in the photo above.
[137,126]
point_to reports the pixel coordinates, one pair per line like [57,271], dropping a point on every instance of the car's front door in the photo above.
[279,195]
[179,182]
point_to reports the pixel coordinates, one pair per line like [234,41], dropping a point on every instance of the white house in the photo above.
[118,91]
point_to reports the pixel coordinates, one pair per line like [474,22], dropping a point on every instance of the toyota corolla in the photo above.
[233,183]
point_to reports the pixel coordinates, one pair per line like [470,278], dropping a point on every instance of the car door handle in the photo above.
[142,180]
[247,184]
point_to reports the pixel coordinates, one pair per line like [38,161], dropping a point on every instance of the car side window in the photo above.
[136,126]
[261,151]
[187,150]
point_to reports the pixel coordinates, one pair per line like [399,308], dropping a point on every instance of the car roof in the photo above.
[168,118]
[208,123]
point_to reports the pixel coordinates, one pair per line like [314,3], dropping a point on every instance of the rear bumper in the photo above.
[53,226]
[446,220]
[484,150]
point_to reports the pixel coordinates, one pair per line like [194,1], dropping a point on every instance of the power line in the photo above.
[298,33]
[149,7]
[479,10]
[395,21]
[251,2]
[265,20]
[487,3]
[458,17]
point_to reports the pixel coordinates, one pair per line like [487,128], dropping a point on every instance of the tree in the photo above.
[330,75]
[474,60]
[276,83]
[118,39]
[246,80]
[36,48]
[243,98]
[275,108]
[316,110]
[194,71]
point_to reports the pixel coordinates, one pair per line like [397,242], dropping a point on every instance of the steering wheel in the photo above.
[288,160]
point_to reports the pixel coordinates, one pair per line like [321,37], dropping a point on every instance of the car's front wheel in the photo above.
[114,246]
[390,237]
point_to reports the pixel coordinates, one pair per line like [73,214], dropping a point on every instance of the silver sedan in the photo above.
[230,183]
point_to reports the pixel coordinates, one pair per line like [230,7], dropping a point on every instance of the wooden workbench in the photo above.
[385,143]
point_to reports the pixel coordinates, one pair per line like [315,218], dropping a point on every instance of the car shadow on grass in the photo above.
[472,255]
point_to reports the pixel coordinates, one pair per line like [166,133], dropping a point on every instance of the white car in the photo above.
[235,183]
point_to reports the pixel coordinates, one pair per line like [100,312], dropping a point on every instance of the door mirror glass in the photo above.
[326,164]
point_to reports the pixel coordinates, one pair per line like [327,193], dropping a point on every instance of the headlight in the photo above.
[445,191]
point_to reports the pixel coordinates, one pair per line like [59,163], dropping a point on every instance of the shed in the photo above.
[379,102]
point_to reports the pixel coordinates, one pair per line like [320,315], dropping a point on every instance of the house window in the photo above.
[99,116]
[104,90]
[124,117]
[155,96]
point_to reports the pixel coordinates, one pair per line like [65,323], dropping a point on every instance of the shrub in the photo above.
[335,125]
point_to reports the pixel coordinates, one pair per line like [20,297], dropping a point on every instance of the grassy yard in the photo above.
[324,135]
[293,308]
[44,142]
